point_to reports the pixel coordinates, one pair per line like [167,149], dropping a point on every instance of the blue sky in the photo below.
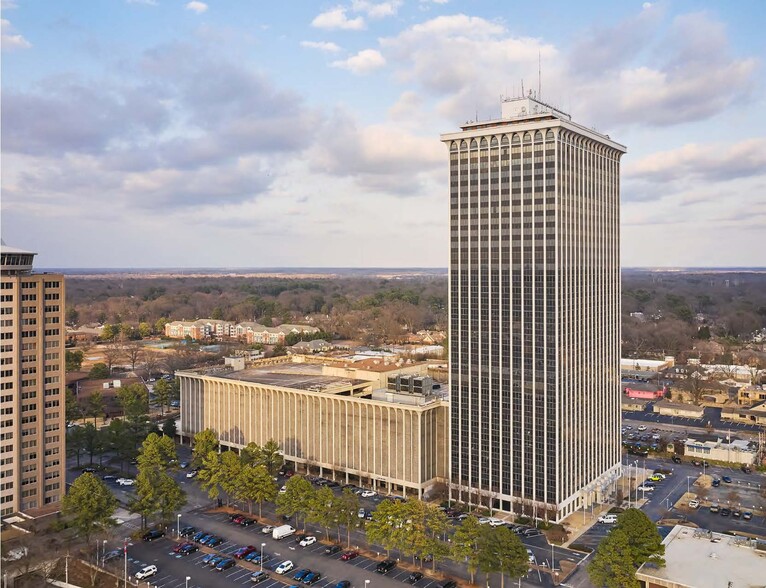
[251,134]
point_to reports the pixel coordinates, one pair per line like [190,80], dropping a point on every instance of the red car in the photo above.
[181,546]
[349,555]
[237,519]
[243,551]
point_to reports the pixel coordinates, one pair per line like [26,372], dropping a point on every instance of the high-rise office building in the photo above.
[32,386]
[534,311]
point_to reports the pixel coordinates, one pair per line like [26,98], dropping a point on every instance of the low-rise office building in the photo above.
[697,558]
[712,447]
[755,415]
[678,409]
[329,416]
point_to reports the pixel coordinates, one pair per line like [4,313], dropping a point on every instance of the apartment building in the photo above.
[250,332]
[32,386]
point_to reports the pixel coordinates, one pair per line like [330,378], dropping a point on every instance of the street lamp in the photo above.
[178,526]
[187,581]
[366,584]
[125,553]
[262,546]
[103,553]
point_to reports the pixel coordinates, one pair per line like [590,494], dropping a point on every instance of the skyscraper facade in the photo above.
[534,311]
[32,386]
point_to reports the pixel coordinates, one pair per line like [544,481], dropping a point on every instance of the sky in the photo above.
[164,133]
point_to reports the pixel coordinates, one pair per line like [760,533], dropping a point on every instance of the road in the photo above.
[712,415]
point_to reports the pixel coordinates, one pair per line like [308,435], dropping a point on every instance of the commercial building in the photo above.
[328,415]
[668,408]
[249,332]
[755,415]
[534,310]
[731,450]
[697,558]
[32,384]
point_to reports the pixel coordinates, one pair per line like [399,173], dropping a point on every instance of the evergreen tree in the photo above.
[296,499]
[256,485]
[90,504]
[611,567]
[210,474]
[347,510]
[204,442]
[465,544]
[157,492]
[321,509]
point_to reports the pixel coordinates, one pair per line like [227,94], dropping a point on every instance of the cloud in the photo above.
[364,62]
[10,40]
[336,18]
[326,46]
[382,157]
[711,162]
[196,6]
[161,139]
[376,10]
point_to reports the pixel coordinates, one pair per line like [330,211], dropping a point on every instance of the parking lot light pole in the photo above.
[187,581]
[103,553]
[262,546]
[366,584]
[178,526]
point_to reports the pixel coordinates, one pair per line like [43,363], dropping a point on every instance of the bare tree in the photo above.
[112,353]
[133,352]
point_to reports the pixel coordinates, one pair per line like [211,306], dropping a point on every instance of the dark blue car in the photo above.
[311,578]
[300,574]
[225,564]
[214,541]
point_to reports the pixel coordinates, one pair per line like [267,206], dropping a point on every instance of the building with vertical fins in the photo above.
[534,310]
[32,386]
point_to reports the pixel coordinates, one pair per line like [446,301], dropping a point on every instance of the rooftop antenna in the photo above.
[539,77]
[522,87]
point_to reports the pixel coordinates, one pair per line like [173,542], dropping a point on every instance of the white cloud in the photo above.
[325,46]
[8,4]
[196,6]
[336,18]
[10,40]
[364,62]
[376,10]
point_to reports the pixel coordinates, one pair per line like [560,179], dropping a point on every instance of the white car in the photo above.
[531,556]
[146,572]
[125,481]
[694,504]
[645,488]
[642,427]
[267,529]
[483,520]
[495,522]
[192,473]
[608,519]
[369,493]
[283,490]
[362,513]
[284,567]
[306,541]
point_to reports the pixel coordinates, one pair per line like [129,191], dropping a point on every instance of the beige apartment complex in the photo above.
[32,383]
[329,417]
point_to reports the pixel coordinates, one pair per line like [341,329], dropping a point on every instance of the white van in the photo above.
[609,519]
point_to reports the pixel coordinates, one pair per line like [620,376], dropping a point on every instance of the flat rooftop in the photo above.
[701,559]
[299,376]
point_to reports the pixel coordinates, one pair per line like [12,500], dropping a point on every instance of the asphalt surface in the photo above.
[712,415]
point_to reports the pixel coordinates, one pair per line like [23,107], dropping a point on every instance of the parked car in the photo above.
[243,551]
[199,535]
[179,546]
[332,549]
[183,465]
[747,515]
[608,519]
[642,427]
[716,482]
[414,577]
[267,529]
[114,554]
[257,577]
[694,504]
[530,556]
[645,488]
[225,564]
[448,584]
[125,481]
[284,567]
[246,522]
[153,534]
[188,549]
[214,542]
[747,469]
[385,566]
[736,513]
[300,574]
[146,572]
[236,519]
[676,459]
[312,578]
[192,473]
[726,479]
[208,558]
[714,508]
[369,493]
[362,513]
[343,584]
[188,531]
[349,555]
[216,560]
[306,541]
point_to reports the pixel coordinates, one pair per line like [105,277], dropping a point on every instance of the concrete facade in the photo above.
[32,387]
[322,421]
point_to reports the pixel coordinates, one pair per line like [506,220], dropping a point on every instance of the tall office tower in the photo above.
[32,383]
[534,311]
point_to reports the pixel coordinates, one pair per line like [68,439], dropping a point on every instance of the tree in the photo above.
[271,456]
[255,484]
[99,371]
[465,544]
[90,504]
[251,454]
[500,550]
[134,401]
[72,316]
[75,444]
[74,359]
[133,351]
[610,567]
[121,440]
[210,473]
[644,540]
[347,509]
[386,524]
[162,391]
[278,350]
[159,325]
[95,405]
[156,491]
[109,332]
[169,428]
[113,353]
[321,509]
[231,469]
[204,442]
[296,499]
[144,330]
[73,410]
